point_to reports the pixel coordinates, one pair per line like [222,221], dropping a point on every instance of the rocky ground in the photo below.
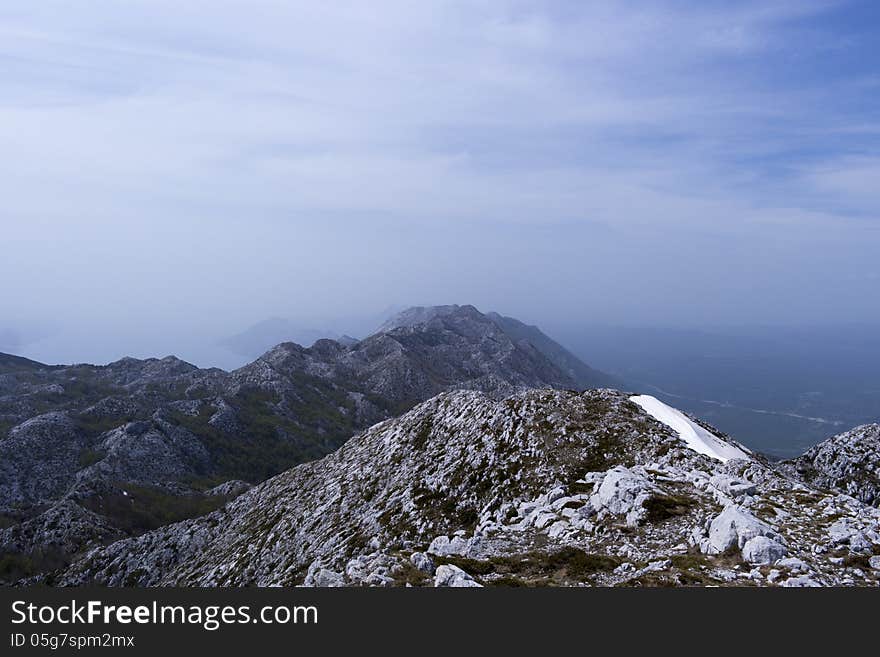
[542,488]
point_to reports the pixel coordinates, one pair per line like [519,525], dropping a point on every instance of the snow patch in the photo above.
[695,436]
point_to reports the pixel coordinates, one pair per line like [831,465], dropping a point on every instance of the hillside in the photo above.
[541,488]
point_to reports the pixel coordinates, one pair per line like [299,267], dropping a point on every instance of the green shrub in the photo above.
[565,565]
[274,436]
[18,565]
[662,507]
[96,425]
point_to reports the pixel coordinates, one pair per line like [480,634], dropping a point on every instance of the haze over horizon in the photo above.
[173,175]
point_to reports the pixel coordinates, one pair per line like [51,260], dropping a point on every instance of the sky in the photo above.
[174,172]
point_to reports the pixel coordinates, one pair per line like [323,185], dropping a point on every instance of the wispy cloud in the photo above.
[702,118]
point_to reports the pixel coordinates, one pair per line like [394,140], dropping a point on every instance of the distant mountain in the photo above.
[89,453]
[417,315]
[541,488]
[10,363]
[264,335]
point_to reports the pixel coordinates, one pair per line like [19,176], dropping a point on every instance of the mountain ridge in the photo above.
[449,437]
[540,488]
[144,442]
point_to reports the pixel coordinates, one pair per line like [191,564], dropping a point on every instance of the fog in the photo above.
[173,175]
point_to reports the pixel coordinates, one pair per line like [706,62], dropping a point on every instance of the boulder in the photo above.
[558,528]
[371,569]
[859,543]
[422,562]
[841,531]
[733,527]
[377,579]
[732,486]
[801,582]
[761,550]
[544,519]
[624,492]
[454,577]
[443,546]
[794,564]
[322,577]
[555,494]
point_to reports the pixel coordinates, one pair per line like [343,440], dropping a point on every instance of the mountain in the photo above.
[583,375]
[264,335]
[580,375]
[849,463]
[479,461]
[10,364]
[91,453]
[540,488]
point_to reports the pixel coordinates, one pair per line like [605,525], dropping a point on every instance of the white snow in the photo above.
[694,436]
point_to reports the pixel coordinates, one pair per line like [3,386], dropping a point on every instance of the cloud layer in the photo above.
[231,160]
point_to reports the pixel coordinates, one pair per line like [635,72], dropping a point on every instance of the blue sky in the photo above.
[185,166]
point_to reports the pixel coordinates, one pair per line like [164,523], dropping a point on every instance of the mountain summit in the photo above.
[453,317]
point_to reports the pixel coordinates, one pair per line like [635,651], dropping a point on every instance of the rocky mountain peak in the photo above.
[133,370]
[493,330]
[421,315]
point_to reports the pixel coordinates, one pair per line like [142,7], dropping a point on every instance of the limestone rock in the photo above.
[454,577]
[76,432]
[422,562]
[443,546]
[322,577]
[733,527]
[624,492]
[761,550]
[800,582]
[732,486]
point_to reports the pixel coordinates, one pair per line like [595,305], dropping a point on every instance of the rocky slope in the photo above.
[127,447]
[542,487]
[849,462]
[584,375]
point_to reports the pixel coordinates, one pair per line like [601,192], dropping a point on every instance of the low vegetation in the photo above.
[137,509]
[274,436]
[564,566]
